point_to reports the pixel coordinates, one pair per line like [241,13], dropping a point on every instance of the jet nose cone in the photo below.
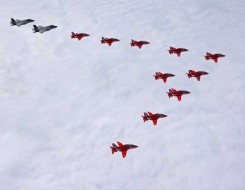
[135,146]
[187,92]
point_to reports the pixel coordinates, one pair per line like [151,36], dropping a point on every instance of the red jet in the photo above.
[154,117]
[139,44]
[213,56]
[79,36]
[109,41]
[178,51]
[159,75]
[122,148]
[177,93]
[196,74]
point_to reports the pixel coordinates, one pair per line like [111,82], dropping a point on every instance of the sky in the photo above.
[63,101]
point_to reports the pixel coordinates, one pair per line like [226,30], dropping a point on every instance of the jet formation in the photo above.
[196,74]
[123,148]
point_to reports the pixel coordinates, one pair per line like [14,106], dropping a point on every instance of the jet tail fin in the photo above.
[35,29]
[206,57]
[114,148]
[170,93]
[102,40]
[12,22]
[156,76]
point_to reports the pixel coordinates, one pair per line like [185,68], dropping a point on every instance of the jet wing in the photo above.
[164,80]
[140,46]
[179,98]
[198,78]
[109,43]
[216,60]
[124,153]
[154,121]
[178,54]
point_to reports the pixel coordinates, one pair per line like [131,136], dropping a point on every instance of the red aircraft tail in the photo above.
[156,76]
[72,35]
[113,148]
[102,40]
[145,116]
[206,57]
[132,43]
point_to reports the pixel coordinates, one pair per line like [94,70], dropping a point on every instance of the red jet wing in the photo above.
[164,79]
[216,60]
[154,121]
[124,153]
[179,98]
[109,43]
[198,78]
[140,46]
[178,53]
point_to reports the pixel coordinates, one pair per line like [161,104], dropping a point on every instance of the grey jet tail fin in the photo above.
[35,29]
[12,22]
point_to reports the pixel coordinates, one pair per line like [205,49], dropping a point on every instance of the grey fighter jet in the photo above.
[20,22]
[42,29]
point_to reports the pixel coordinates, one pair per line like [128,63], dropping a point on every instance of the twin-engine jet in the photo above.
[18,22]
[122,148]
[139,44]
[177,93]
[164,77]
[42,29]
[178,51]
[213,56]
[196,74]
[79,36]
[109,41]
[154,117]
